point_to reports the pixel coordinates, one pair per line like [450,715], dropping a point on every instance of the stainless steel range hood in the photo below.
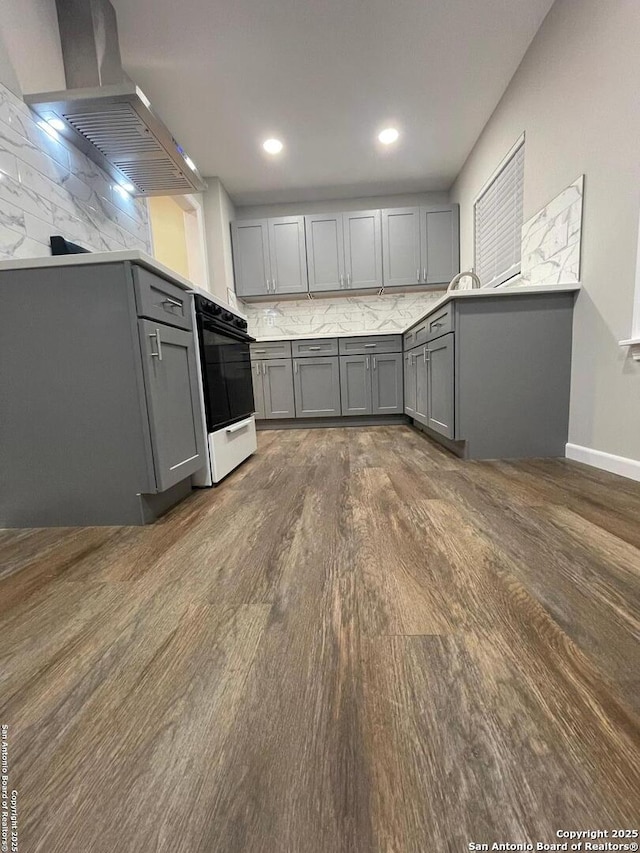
[105,114]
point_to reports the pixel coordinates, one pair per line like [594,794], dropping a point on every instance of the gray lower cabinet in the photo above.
[258,390]
[269,256]
[372,384]
[355,384]
[421,370]
[171,389]
[316,383]
[440,385]
[410,383]
[386,383]
[273,388]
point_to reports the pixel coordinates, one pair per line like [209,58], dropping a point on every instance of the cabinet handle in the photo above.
[314,349]
[427,355]
[295,366]
[367,362]
[370,345]
[435,325]
[374,362]
[418,274]
[424,273]
[168,301]
[348,279]
[424,355]
[341,281]
[260,350]
[157,354]
[273,284]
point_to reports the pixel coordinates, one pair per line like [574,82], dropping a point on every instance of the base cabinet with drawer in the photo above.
[272,373]
[490,373]
[113,390]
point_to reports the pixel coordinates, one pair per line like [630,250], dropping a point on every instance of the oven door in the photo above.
[226,374]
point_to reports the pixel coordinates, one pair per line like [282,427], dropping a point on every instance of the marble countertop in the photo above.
[512,290]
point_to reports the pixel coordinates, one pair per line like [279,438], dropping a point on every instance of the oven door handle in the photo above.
[237,427]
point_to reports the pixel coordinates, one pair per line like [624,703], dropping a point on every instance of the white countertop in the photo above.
[513,290]
[133,255]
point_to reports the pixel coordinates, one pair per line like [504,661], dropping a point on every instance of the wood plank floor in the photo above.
[357,643]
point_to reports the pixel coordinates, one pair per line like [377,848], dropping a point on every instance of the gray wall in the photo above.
[330,205]
[576,97]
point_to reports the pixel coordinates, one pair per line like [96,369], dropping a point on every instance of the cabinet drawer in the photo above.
[370,345]
[270,349]
[160,300]
[314,347]
[440,322]
[417,335]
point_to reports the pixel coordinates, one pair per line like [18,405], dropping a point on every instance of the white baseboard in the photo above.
[607,461]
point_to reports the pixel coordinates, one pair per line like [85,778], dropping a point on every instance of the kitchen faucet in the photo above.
[455,280]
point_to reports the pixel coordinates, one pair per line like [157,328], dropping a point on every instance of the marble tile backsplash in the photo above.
[385,314]
[47,187]
[551,240]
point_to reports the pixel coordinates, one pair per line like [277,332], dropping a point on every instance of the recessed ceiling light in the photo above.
[272,146]
[388,135]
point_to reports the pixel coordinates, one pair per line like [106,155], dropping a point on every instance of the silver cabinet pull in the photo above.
[348,279]
[260,350]
[436,325]
[367,362]
[424,355]
[273,285]
[257,368]
[374,362]
[169,301]
[157,354]
[295,366]
[427,355]
[370,345]
[418,274]
[424,273]
[314,349]
[341,281]
[268,288]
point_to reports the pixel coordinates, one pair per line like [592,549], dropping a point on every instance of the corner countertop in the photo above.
[483,293]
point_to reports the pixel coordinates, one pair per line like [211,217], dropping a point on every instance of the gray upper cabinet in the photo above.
[401,246]
[439,244]
[420,245]
[325,251]
[288,255]
[269,256]
[362,249]
[355,384]
[440,357]
[386,381]
[344,250]
[171,388]
[251,263]
[277,381]
[317,386]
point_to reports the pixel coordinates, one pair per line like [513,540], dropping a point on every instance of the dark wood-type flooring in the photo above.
[357,643]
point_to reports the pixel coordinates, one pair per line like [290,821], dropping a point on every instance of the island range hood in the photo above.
[105,114]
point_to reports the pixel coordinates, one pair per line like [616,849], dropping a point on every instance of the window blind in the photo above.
[498,223]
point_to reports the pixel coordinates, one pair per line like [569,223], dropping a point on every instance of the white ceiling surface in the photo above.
[325,76]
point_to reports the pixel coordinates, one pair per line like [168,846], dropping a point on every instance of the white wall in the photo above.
[219,212]
[576,97]
[32,40]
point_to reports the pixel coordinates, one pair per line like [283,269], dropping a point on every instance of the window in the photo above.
[498,221]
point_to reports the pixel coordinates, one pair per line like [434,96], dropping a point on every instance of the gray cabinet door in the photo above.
[439,244]
[441,385]
[422,385]
[317,386]
[288,255]
[173,401]
[277,381]
[355,384]
[410,384]
[251,265]
[325,251]
[386,381]
[258,389]
[362,249]
[401,246]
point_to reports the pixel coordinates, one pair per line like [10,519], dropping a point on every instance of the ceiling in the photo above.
[325,76]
